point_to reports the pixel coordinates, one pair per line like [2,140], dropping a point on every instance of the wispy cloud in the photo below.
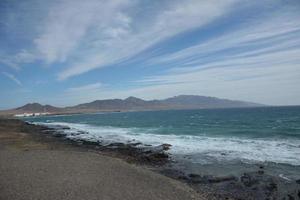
[12,77]
[14,61]
[276,32]
[7,61]
[107,32]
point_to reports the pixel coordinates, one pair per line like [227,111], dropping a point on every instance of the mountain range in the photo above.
[137,104]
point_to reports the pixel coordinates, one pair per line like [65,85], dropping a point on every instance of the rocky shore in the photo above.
[40,166]
[257,184]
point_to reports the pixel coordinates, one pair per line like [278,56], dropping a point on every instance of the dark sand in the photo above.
[32,167]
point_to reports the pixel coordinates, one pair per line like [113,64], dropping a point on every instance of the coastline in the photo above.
[39,166]
[255,184]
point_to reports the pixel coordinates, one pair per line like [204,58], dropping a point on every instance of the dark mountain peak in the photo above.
[133,99]
[30,105]
[36,107]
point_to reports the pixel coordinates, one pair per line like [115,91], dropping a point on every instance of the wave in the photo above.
[202,149]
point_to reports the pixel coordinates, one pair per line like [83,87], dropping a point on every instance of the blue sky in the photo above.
[64,52]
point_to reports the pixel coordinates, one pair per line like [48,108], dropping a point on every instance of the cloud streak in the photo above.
[108,32]
[12,77]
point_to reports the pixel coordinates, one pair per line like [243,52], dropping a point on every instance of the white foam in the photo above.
[206,148]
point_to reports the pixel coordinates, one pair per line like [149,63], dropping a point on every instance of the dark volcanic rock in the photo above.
[116,145]
[272,187]
[250,186]
[261,167]
[248,180]
[260,172]
[166,147]
[194,175]
[290,197]
[136,144]
[222,179]
[153,155]
[196,178]
[86,142]
[173,173]
[59,133]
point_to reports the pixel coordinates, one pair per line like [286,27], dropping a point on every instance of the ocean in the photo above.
[222,140]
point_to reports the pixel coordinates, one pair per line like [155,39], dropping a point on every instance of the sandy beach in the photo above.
[36,167]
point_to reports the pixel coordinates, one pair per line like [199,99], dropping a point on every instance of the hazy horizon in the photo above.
[71,105]
[123,99]
[67,52]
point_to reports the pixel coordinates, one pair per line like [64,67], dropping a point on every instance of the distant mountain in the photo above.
[38,108]
[194,101]
[130,103]
[177,102]
[136,104]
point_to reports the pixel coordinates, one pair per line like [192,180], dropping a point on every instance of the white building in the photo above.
[31,114]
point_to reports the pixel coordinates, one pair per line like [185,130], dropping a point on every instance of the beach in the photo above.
[36,167]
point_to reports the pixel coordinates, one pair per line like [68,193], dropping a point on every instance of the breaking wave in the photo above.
[202,149]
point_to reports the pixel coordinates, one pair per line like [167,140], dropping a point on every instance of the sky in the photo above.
[66,52]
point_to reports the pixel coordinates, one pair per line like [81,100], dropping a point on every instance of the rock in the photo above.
[272,187]
[65,127]
[157,157]
[248,180]
[157,149]
[81,132]
[221,179]
[59,127]
[59,134]
[290,197]
[153,155]
[298,181]
[196,178]
[173,173]
[136,144]
[86,142]
[116,145]
[48,131]
[166,147]
[194,175]
[260,172]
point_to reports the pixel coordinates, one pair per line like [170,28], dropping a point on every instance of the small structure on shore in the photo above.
[31,114]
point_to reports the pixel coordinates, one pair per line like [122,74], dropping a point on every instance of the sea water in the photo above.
[211,137]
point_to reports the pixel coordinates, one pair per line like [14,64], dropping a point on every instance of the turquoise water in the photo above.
[269,134]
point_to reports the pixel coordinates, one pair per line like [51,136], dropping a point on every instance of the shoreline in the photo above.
[40,166]
[156,159]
